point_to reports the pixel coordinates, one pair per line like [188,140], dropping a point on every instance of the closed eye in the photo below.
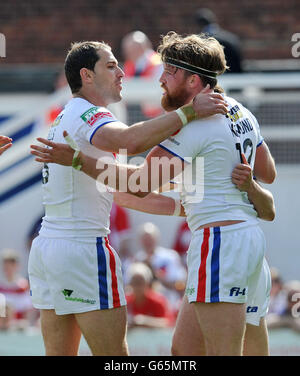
[112,65]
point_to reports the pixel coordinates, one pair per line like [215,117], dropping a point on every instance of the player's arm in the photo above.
[144,135]
[261,198]
[137,180]
[159,168]
[153,203]
[264,165]
[98,169]
[5,143]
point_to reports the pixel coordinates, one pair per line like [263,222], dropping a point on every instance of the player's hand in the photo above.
[208,103]
[54,152]
[242,175]
[5,143]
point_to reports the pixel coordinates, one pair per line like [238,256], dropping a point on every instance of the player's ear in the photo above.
[86,75]
[194,81]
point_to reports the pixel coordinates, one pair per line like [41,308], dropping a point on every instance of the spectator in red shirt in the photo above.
[119,226]
[120,236]
[182,240]
[146,307]
[15,289]
[167,267]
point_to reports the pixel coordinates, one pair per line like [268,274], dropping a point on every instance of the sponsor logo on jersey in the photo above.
[235,113]
[93,114]
[238,124]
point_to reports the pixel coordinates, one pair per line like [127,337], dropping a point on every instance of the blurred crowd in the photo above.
[154,279]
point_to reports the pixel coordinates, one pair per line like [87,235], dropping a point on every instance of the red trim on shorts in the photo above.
[202,268]
[114,281]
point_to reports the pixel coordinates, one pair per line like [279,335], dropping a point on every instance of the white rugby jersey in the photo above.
[211,145]
[74,206]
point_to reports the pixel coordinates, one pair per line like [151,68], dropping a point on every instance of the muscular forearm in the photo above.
[138,137]
[261,198]
[139,181]
[262,201]
[144,135]
[109,173]
[153,203]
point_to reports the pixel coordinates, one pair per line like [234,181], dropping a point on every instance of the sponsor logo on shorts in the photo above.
[236,291]
[252,309]
[67,294]
[190,291]
[93,114]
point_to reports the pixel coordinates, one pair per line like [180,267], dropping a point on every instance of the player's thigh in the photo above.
[256,341]
[105,330]
[221,323]
[61,333]
[187,338]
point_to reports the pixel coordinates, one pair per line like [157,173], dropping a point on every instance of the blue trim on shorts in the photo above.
[215,266]
[102,280]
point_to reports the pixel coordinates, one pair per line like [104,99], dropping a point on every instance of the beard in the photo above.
[178,98]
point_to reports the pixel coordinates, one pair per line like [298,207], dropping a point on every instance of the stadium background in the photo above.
[38,34]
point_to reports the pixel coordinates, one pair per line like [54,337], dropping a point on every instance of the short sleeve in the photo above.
[187,143]
[93,119]
[260,138]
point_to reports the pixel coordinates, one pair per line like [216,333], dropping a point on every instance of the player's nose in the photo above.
[120,72]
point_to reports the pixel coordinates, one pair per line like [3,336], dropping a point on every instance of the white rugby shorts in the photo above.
[226,264]
[72,277]
[258,306]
